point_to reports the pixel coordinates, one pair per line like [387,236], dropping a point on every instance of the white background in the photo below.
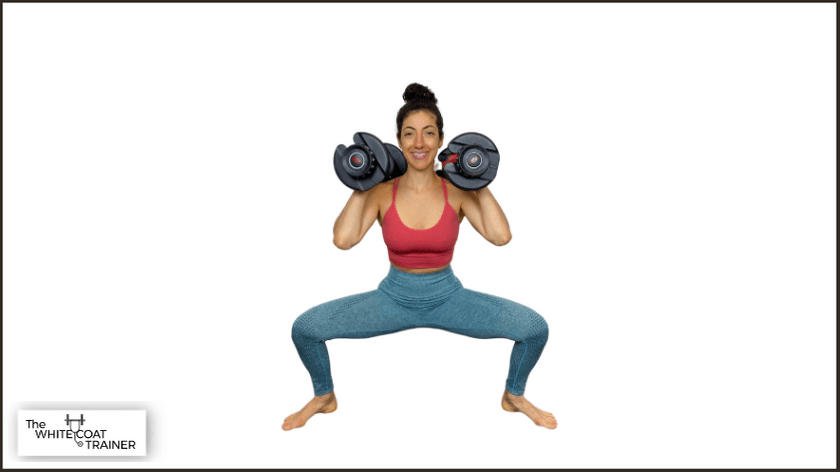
[668,171]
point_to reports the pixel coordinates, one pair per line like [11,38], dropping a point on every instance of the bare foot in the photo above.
[511,402]
[320,404]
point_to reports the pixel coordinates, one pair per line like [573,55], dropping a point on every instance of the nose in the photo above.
[418,140]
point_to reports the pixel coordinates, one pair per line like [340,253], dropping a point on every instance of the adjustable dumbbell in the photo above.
[368,162]
[471,161]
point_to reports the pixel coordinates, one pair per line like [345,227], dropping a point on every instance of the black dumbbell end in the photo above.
[364,164]
[377,148]
[345,178]
[339,170]
[464,183]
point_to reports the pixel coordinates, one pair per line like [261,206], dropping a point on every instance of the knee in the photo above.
[537,327]
[305,326]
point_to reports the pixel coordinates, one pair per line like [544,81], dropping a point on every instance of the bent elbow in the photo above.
[504,240]
[342,243]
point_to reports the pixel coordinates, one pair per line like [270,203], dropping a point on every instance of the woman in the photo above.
[420,214]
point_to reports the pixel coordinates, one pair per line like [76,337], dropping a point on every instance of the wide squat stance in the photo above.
[420,214]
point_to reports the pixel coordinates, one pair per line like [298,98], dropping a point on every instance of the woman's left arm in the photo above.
[486,216]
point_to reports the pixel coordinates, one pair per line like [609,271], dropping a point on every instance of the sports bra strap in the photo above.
[445,195]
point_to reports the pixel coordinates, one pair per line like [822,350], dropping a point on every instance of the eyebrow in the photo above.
[411,127]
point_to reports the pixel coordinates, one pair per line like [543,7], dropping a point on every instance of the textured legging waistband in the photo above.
[420,290]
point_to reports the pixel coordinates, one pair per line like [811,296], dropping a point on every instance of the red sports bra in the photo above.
[420,248]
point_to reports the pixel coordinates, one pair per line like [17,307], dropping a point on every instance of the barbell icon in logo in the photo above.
[75,425]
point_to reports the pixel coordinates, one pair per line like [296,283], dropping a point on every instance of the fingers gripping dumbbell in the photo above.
[368,162]
[470,161]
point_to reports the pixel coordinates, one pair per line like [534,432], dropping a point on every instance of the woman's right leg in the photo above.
[357,316]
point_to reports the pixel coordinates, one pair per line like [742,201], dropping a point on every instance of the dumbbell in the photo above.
[368,162]
[471,161]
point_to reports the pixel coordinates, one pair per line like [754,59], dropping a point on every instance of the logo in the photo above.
[356,160]
[82,433]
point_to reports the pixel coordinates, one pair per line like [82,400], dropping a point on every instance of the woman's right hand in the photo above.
[358,215]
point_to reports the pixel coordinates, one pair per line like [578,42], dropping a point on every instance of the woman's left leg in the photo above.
[480,315]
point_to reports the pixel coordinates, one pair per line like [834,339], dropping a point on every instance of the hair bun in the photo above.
[418,93]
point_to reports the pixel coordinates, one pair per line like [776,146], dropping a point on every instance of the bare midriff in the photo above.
[420,271]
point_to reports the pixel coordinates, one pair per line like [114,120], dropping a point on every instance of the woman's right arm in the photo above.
[356,218]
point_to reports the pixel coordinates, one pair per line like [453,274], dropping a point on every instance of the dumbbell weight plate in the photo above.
[377,148]
[398,160]
[356,161]
[473,160]
[344,169]
[464,183]
[475,152]
[367,146]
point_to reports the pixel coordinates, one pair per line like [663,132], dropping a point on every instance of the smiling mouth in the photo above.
[419,155]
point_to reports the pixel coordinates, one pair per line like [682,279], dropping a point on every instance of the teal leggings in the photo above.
[404,301]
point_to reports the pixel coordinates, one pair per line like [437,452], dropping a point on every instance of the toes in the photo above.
[290,425]
[289,422]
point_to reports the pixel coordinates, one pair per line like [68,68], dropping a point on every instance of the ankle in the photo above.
[325,397]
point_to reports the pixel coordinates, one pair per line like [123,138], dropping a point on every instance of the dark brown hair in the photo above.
[419,97]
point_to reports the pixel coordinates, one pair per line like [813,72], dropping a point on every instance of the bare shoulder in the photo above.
[452,190]
[383,190]
[381,194]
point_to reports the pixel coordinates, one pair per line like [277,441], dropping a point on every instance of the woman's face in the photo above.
[420,139]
